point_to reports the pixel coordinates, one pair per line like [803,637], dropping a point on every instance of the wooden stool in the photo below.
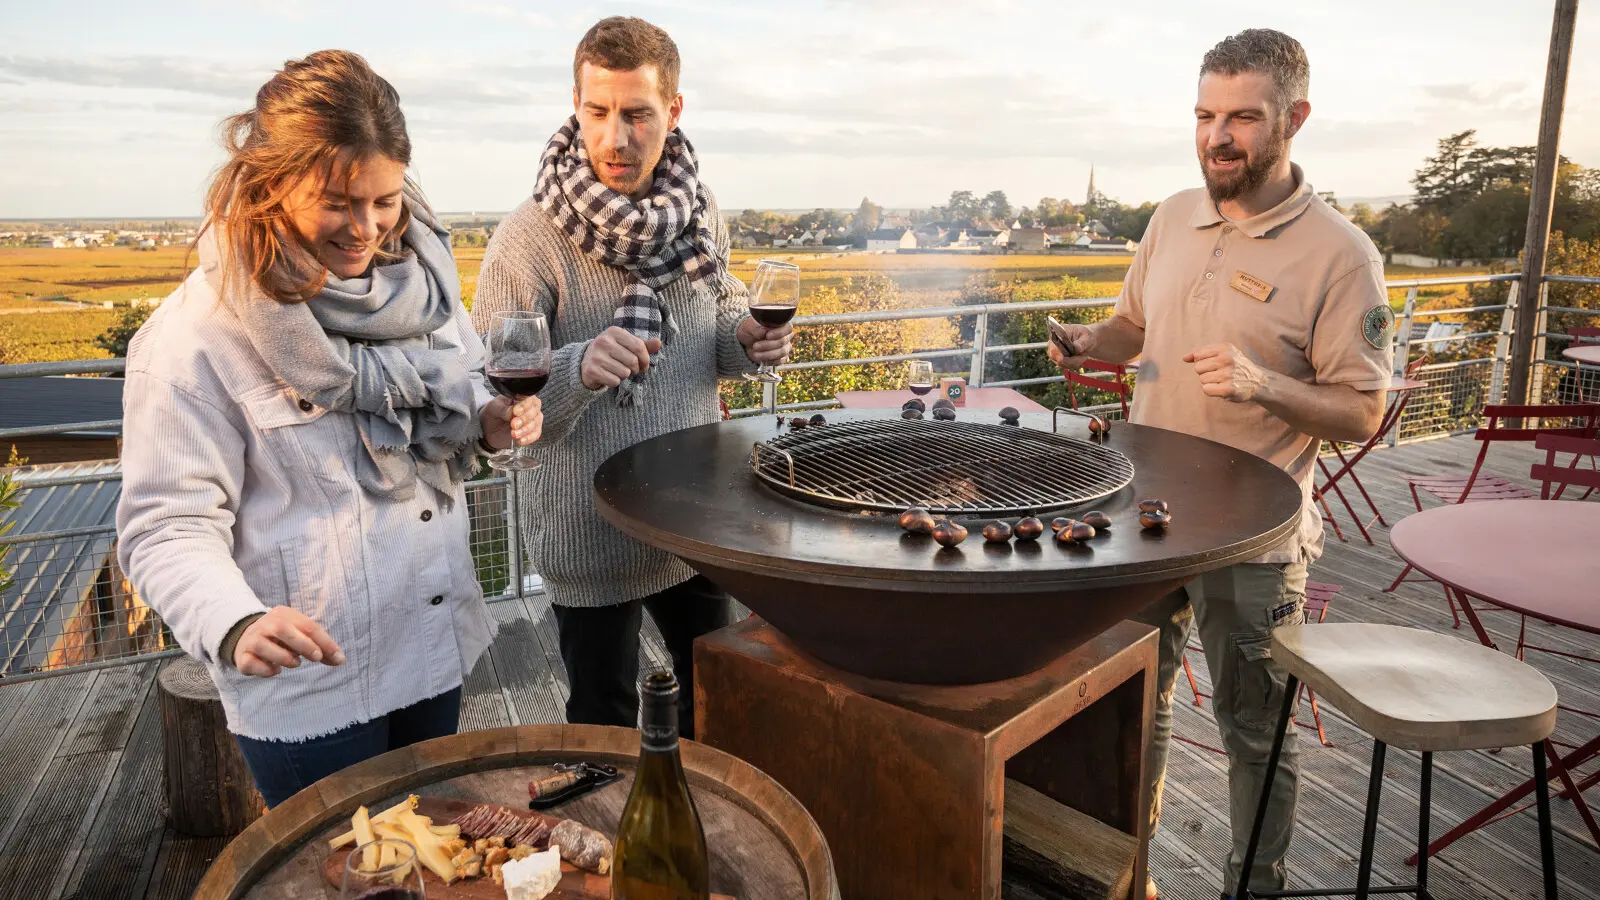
[209,789]
[1418,691]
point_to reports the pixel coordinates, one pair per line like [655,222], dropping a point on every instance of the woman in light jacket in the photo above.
[299,417]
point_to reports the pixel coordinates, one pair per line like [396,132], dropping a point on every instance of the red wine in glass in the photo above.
[921,389]
[773,315]
[518,383]
[519,366]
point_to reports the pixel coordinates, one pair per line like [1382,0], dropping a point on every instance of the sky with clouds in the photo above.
[110,108]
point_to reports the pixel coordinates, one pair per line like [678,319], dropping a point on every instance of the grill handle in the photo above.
[755,460]
[1055,418]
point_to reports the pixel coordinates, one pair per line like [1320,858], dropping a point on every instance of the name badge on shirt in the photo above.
[1251,286]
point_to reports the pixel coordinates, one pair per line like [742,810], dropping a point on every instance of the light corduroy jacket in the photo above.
[238,495]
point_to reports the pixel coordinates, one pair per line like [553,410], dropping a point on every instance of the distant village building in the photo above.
[981,237]
[892,239]
[1021,240]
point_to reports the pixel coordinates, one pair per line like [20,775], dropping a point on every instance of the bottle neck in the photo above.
[659,724]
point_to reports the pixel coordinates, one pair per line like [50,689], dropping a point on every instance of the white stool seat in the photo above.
[1419,690]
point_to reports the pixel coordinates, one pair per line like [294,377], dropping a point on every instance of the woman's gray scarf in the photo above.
[656,240]
[368,346]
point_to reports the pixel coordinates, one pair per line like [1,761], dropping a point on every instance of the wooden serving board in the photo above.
[576,884]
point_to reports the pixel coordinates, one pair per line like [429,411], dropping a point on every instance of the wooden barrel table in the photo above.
[763,843]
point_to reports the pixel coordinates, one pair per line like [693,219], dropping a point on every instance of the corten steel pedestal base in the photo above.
[908,781]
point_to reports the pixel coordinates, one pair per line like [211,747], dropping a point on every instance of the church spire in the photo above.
[1089,197]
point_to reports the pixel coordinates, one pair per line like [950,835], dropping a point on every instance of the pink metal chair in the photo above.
[1116,384]
[1479,486]
[1550,475]
[1318,596]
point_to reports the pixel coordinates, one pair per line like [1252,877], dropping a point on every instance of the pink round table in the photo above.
[1533,557]
[1584,353]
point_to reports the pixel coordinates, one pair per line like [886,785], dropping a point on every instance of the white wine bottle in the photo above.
[661,848]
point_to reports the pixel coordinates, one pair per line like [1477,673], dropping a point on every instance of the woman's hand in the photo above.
[279,640]
[504,422]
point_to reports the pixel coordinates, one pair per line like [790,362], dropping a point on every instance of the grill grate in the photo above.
[948,467]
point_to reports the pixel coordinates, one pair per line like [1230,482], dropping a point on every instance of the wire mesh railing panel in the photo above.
[71,605]
[489,535]
[1452,401]
[1565,382]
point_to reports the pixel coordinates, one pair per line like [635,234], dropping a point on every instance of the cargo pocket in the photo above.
[1258,682]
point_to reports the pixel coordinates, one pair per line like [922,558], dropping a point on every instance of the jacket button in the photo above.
[305,405]
[427,515]
[436,601]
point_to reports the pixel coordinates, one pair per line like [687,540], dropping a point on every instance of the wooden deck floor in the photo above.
[80,756]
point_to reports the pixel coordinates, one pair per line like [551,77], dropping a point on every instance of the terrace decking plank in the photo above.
[525,675]
[181,864]
[52,822]
[119,856]
[108,716]
[29,744]
[483,705]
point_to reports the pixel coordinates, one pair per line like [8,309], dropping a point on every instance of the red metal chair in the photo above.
[1479,486]
[1318,596]
[1347,465]
[1549,474]
[1116,384]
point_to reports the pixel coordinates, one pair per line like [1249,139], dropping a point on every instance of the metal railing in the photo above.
[72,609]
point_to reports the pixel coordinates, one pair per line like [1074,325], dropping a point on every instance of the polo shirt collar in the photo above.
[1207,215]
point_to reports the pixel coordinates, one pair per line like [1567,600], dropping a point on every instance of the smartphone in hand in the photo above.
[1058,336]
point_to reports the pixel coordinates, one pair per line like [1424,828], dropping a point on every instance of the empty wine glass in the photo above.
[519,366]
[774,298]
[385,869]
[919,376]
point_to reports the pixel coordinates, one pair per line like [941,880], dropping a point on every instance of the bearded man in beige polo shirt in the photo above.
[1261,320]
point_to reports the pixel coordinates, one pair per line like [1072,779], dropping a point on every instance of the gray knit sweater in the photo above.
[531,264]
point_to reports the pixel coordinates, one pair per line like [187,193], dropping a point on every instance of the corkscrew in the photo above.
[570,781]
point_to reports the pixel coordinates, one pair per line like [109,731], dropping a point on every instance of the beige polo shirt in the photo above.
[1298,288]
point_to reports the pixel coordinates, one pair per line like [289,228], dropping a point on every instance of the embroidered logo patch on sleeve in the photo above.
[1377,326]
[1250,286]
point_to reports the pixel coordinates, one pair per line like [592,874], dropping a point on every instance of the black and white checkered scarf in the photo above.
[656,240]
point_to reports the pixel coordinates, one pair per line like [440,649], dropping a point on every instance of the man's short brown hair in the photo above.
[1269,52]
[623,43]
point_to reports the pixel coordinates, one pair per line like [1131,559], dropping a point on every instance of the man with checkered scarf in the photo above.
[622,247]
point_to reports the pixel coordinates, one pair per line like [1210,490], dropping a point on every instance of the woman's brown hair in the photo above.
[318,115]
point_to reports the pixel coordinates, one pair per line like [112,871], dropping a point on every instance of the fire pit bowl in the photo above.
[850,588]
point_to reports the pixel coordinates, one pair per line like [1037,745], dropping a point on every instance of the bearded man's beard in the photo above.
[1257,168]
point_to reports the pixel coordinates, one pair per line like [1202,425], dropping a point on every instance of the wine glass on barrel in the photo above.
[519,366]
[384,869]
[774,297]
[919,377]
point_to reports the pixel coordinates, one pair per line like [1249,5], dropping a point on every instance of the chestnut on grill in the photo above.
[915,404]
[1064,536]
[818,420]
[1010,416]
[1060,524]
[1152,505]
[949,533]
[917,520]
[944,415]
[1098,519]
[1028,529]
[1155,519]
[943,403]
[1099,426]
[1080,532]
[797,423]
[997,532]
[911,413]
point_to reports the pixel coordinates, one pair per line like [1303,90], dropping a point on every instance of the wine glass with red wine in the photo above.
[774,297]
[385,869]
[919,376]
[519,366]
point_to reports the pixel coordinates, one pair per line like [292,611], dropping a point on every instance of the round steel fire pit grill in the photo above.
[955,468]
[850,588]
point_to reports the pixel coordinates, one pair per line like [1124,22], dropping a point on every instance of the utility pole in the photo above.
[1541,198]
